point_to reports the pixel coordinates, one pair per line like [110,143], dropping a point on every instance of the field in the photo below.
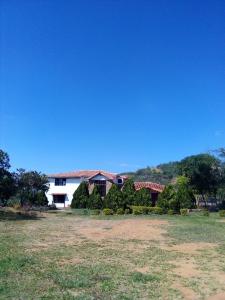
[64,255]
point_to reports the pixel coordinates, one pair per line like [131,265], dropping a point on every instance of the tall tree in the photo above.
[114,198]
[203,171]
[95,200]
[143,197]
[7,179]
[129,192]
[80,196]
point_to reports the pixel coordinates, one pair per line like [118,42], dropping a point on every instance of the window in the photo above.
[59,198]
[119,180]
[60,181]
[101,185]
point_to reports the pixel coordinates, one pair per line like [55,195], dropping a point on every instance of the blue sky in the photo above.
[114,85]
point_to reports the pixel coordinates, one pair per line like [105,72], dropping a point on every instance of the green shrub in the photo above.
[137,210]
[222,213]
[129,192]
[127,211]
[170,212]
[184,211]
[205,213]
[95,212]
[155,210]
[120,211]
[107,211]
[142,197]
[114,198]
[95,199]
[80,196]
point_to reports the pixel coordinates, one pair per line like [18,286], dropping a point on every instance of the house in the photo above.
[154,189]
[63,185]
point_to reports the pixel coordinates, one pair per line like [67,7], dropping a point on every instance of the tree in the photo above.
[29,184]
[7,179]
[80,196]
[167,199]
[203,171]
[143,197]
[95,199]
[184,195]
[129,192]
[114,198]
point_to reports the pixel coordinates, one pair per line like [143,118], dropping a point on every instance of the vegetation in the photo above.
[142,197]
[95,200]
[80,196]
[129,192]
[114,198]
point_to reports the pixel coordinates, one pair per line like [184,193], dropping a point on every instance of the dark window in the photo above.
[102,186]
[119,181]
[60,181]
[59,198]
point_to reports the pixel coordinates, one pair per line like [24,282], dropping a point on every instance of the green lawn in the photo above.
[65,255]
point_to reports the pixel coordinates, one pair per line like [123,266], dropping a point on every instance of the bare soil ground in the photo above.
[116,258]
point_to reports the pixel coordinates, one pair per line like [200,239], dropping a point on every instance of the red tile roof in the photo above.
[149,185]
[86,174]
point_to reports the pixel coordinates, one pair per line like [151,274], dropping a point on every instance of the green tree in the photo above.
[203,171]
[7,179]
[129,192]
[167,199]
[80,196]
[184,195]
[114,198]
[143,197]
[95,200]
[29,184]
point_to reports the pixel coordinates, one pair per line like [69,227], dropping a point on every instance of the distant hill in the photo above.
[163,173]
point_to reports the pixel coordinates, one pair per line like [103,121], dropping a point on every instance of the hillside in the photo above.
[163,173]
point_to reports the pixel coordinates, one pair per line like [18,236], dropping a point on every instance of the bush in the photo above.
[184,211]
[114,199]
[95,199]
[120,211]
[95,212]
[129,192]
[127,211]
[80,196]
[167,198]
[142,197]
[155,210]
[170,212]
[140,210]
[222,213]
[107,211]
[205,213]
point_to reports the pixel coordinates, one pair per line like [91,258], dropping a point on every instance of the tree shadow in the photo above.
[10,215]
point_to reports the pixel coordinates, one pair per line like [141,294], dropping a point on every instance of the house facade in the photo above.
[63,185]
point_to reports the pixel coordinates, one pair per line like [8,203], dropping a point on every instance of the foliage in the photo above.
[80,196]
[156,210]
[184,211]
[170,212]
[127,211]
[95,199]
[203,171]
[114,198]
[30,184]
[40,199]
[222,213]
[120,211]
[205,213]
[167,199]
[107,211]
[140,210]
[129,192]
[142,197]
[184,195]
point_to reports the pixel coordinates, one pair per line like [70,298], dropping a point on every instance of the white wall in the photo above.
[68,189]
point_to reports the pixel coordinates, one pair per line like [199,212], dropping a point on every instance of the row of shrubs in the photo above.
[145,210]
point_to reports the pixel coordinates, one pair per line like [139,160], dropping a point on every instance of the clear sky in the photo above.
[114,85]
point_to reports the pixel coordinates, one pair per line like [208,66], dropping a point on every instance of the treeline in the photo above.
[21,187]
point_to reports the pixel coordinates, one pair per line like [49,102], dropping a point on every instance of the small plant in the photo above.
[205,213]
[170,212]
[107,211]
[120,211]
[222,213]
[95,212]
[127,211]
[155,210]
[184,212]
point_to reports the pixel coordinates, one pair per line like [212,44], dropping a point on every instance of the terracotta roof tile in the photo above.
[149,185]
[85,173]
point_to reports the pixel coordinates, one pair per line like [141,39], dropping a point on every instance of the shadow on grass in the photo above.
[10,215]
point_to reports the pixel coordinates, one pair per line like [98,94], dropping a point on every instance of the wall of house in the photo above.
[68,189]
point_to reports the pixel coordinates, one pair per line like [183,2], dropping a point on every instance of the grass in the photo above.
[51,257]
